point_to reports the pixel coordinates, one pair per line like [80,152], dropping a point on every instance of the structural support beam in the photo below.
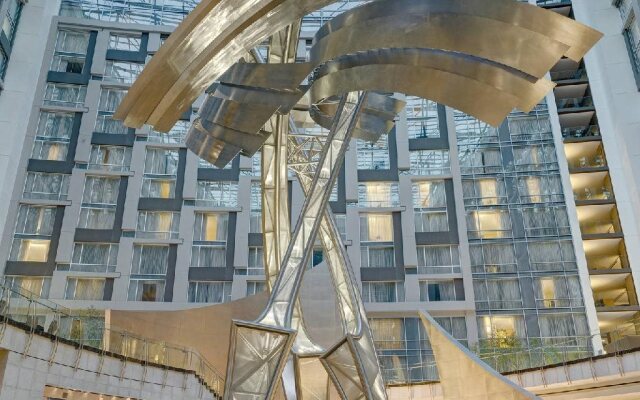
[271,335]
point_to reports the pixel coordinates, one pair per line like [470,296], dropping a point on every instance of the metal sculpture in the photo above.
[456,52]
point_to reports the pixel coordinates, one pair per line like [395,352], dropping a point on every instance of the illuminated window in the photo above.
[489,224]
[34,227]
[378,194]
[210,240]
[158,224]
[376,241]
[501,331]
[53,136]
[85,289]
[484,192]
[160,173]
[28,285]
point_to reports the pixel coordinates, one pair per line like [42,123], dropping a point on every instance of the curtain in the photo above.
[35,220]
[431,221]
[211,227]
[209,256]
[552,255]
[40,185]
[150,260]
[437,291]
[493,257]
[85,289]
[437,256]
[90,257]
[101,190]
[557,325]
[377,257]
[146,289]
[161,162]
[209,292]
[55,125]
[376,228]
[96,218]
[381,292]
[429,194]
[388,333]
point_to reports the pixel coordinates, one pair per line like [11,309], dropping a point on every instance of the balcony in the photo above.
[576,132]
[569,103]
[585,156]
[606,256]
[613,291]
[592,188]
[599,221]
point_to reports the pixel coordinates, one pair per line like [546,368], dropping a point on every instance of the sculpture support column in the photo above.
[259,350]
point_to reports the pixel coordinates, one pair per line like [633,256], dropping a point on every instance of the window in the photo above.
[33,231]
[84,289]
[503,331]
[376,228]
[497,294]
[64,95]
[546,221]
[376,241]
[99,201]
[29,285]
[560,328]
[493,258]
[475,160]
[472,131]
[438,260]
[202,163]
[535,126]
[94,257]
[632,38]
[255,225]
[552,256]
[430,162]
[122,71]
[146,290]
[110,99]
[535,157]
[430,206]
[378,194]
[484,192]
[110,158]
[53,136]
[210,240]
[489,224]
[150,260]
[373,156]
[71,51]
[10,22]
[209,292]
[255,287]
[422,118]
[558,291]
[167,12]
[40,185]
[540,189]
[382,292]
[256,164]
[158,225]
[176,135]
[256,261]
[441,290]
[160,173]
[217,194]
[125,41]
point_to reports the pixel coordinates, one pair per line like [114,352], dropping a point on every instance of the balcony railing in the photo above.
[569,74]
[87,330]
[581,131]
[574,102]
[592,193]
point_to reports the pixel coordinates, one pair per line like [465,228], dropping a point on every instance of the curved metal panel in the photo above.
[478,36]
[579,37]
[440,86]
[175,77]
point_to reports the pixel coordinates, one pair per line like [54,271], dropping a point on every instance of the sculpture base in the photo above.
[257,356]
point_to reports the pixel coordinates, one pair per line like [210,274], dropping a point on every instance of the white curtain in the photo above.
[55,125]
[150,260]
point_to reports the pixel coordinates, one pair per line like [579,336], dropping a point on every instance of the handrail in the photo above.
[87,329]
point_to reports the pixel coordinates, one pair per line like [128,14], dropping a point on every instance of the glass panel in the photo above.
[64,95]
[209,292]
[94,257]
[70,51]
[150,260]
[40,185]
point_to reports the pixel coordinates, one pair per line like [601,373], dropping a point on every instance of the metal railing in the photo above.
[87,330]
[581,131]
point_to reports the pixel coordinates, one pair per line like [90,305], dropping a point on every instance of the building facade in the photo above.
[511,237]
